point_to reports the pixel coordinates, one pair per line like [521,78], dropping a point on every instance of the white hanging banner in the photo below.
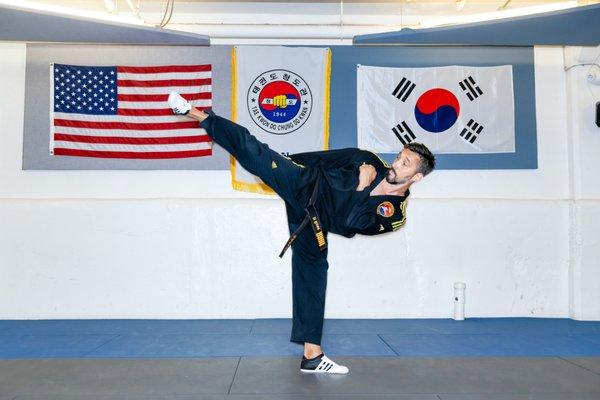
[281,95]
[453,109]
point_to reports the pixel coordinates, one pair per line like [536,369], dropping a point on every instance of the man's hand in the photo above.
[366,175]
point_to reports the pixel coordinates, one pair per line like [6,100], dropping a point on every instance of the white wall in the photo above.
[183,244]
[584,189]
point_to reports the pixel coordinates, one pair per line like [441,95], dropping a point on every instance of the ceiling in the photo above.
[238,21]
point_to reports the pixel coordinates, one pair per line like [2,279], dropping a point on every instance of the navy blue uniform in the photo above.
[341,208]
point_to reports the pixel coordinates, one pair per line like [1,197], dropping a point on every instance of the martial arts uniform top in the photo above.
[343,209]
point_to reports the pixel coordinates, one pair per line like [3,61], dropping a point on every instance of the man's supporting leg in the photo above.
[309,264]
[309,283]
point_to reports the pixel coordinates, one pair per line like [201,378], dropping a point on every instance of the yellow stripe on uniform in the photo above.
[294,162]
[398,224]
[396,227]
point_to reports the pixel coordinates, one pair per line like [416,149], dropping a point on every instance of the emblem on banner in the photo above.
[279,101]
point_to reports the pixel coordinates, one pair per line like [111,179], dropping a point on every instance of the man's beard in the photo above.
[393,180]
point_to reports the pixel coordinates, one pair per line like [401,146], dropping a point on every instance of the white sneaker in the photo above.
[322,364]
[179,105]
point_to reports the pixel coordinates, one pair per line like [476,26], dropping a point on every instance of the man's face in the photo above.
[404,167]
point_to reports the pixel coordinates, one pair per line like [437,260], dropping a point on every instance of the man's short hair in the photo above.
[427,160]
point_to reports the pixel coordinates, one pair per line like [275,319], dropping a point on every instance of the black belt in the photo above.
[312,217]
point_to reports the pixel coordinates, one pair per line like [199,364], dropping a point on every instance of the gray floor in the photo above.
[414,378]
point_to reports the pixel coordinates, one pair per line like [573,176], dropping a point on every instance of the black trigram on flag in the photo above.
[403,133]
[404,89]
[471,131]
[470,88]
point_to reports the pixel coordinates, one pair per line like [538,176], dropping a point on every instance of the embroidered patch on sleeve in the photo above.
[385,209]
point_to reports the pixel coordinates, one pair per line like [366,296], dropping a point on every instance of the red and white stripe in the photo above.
[144,127]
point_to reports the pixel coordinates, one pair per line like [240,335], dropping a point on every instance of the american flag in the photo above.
[122,112]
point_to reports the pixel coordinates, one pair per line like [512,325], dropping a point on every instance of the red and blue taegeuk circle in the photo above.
[274,113]
[437,110]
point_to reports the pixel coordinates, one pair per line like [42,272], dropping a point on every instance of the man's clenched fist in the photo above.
[367,173]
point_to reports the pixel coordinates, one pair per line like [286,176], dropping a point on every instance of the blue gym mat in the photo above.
[143,338]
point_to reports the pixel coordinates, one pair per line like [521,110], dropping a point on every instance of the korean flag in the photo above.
[454,109]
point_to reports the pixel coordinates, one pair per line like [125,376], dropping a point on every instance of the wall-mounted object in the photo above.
[593,75]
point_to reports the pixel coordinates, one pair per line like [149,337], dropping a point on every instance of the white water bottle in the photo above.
[459,301]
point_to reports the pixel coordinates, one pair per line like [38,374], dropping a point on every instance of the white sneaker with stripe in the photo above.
[178,104]
[322,364]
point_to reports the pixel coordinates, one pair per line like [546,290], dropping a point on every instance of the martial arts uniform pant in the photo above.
[293,183]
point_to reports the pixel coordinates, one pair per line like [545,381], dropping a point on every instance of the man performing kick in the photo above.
[345,191]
